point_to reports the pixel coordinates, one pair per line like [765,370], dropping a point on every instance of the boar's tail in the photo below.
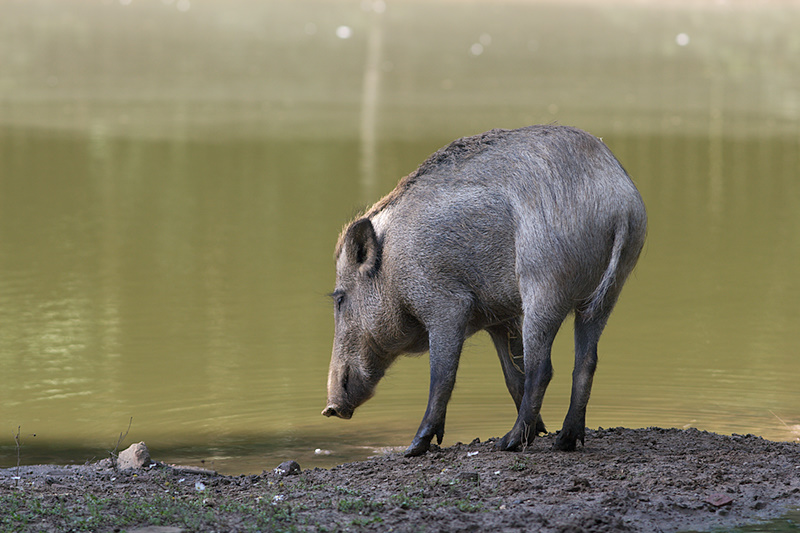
[599,301]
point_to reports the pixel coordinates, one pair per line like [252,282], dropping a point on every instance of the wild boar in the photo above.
[508,231]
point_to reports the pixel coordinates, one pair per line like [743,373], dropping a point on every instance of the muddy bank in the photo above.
[622,480]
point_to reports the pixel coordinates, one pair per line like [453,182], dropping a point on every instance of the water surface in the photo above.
[174,175]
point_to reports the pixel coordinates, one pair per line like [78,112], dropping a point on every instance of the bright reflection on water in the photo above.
[172,183]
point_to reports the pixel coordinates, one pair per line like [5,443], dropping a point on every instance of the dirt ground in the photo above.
[622,480]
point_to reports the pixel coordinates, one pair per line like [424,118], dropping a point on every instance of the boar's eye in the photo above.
[338,299]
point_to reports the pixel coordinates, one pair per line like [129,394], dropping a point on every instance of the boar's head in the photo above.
[358,361]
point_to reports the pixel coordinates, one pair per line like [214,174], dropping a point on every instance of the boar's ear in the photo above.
[362,246]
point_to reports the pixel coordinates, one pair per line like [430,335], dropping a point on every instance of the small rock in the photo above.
[135,456]
[288,468]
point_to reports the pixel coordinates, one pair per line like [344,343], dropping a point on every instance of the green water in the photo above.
[174,175]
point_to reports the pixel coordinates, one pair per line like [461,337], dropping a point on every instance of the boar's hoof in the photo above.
[567,442]
[565,445]
[512,443]
[506,445]
[417,448]
[333,411]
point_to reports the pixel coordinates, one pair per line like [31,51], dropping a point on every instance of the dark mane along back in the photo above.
[457,150]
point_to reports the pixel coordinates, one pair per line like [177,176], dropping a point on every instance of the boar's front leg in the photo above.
[445,345]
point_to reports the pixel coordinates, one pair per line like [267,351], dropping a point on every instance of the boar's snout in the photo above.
[348,387]
[332,410]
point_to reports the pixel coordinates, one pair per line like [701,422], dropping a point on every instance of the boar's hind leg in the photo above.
[587,334]
[445,350]
[538,332]
[507,338]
